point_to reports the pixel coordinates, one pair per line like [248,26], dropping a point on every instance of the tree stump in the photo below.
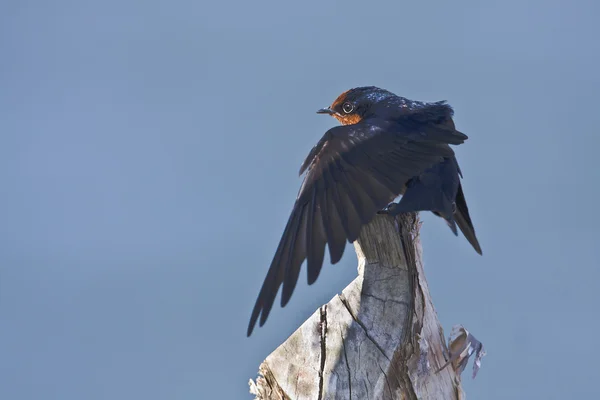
[379,339]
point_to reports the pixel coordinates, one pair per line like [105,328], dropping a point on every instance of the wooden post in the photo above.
[379,339]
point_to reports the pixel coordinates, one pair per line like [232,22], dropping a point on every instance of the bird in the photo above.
[386,146]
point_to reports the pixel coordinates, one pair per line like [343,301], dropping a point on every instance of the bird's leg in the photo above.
[392,209]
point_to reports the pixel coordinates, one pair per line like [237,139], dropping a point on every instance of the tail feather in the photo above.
[463,220]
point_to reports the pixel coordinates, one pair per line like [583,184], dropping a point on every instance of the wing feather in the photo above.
[352,172]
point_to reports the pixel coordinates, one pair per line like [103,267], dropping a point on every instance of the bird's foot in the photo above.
[391,209]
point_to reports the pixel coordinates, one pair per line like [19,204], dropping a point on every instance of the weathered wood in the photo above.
[379,339]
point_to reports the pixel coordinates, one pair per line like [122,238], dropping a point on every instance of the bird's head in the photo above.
[353,105]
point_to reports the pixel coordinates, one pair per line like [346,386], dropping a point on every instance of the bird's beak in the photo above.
[325,111]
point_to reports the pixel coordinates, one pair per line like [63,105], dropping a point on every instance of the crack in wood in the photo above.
[402,303]
[389,387]
[323,349]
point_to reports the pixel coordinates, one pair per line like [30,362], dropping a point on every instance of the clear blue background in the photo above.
[148,163]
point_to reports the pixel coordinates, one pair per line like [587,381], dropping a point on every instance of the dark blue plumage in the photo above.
[387,146]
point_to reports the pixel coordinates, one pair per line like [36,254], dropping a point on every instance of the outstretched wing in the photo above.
[354,171]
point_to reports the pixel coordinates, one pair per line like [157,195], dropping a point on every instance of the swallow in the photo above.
[386,146]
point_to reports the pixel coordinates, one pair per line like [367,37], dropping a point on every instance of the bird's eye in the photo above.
[347,108]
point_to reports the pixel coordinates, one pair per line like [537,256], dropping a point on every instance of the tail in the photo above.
[433,191]
[463,219]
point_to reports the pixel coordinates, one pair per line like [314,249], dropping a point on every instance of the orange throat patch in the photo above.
[348,119]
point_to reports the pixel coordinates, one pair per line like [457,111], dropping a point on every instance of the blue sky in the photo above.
[148,161]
